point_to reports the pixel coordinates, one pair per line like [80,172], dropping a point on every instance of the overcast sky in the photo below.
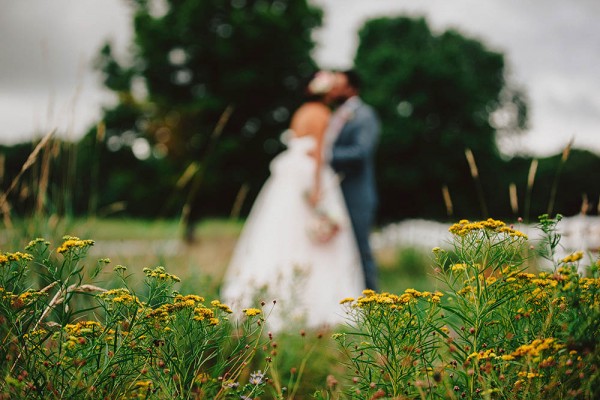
[552,48]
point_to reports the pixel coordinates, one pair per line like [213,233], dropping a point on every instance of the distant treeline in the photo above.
[86,178]
[202,102]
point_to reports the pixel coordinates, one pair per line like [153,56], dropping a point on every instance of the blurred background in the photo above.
[165,110]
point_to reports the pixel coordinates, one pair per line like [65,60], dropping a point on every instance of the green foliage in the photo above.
[435,95]
[493,332]
[408,267]
[73,339]
[571,175]
[198,60]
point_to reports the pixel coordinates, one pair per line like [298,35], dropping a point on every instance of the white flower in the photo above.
[256,378]
[321,83]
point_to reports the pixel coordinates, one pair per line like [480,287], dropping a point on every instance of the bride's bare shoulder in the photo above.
[310,119]
[312,110]
[315,106]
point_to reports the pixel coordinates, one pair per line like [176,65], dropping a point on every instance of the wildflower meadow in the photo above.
[491,329]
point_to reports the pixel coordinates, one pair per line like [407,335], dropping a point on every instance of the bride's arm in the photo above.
[313,119]
[321,122]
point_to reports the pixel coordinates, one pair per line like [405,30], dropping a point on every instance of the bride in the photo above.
[297,251]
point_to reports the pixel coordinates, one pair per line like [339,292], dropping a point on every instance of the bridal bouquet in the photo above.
[322,226]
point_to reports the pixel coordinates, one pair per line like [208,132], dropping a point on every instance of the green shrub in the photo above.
[494,332]
[72,339]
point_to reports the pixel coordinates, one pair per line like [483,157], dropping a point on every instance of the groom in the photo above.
[352,158]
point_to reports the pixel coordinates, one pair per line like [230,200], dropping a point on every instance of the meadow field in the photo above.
[126,309]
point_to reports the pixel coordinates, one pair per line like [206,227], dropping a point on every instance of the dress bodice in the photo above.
[306,142]
[302,143]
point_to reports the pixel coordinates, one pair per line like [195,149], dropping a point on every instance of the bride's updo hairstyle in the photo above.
[319,85]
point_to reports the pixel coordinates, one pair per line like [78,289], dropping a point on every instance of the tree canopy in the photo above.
[198,62]
[437,95]
[208,86]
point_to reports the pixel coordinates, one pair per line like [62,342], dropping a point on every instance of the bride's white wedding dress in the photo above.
[275,257]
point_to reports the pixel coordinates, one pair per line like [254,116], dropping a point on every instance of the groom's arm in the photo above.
[366,140]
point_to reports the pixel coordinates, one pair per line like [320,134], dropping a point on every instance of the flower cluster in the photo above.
[23,299]
[160,274]
[502,329]
[132,346]
[464,227]
[252,312]
[534,349]
[393,301]
[17,256]
[119,296]
[578,255]
[73,242]
[221,306]
[168,312]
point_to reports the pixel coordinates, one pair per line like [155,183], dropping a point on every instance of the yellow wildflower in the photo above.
[251,312]
[32,243]
[119,296]
[464,227]
[221,306]
[578,255]
[144,384]
[17,256]
[202,377]
[202,313]
[73,242]
[160,274]
[458,267]
[536,347]
[347,300]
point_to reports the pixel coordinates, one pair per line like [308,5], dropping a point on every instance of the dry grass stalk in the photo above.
[472,164]
[59,298]
[187,175]
[514,200]
[100,131]
[239,201]
[447,200]
[554,190]
[95,170]
[531,175]
[44,178]
[28,163]
[475,174]
[585,204]
[2,163]
[530,180]
[199,173]
[566,151]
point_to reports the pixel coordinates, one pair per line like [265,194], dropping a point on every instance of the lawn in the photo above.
[138,244]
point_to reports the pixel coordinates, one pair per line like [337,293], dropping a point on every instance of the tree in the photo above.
[198,62]
[437,95]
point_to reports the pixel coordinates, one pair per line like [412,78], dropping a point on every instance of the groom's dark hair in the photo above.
[353,78]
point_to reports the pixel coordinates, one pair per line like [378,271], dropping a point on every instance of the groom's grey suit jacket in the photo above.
[352,157]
